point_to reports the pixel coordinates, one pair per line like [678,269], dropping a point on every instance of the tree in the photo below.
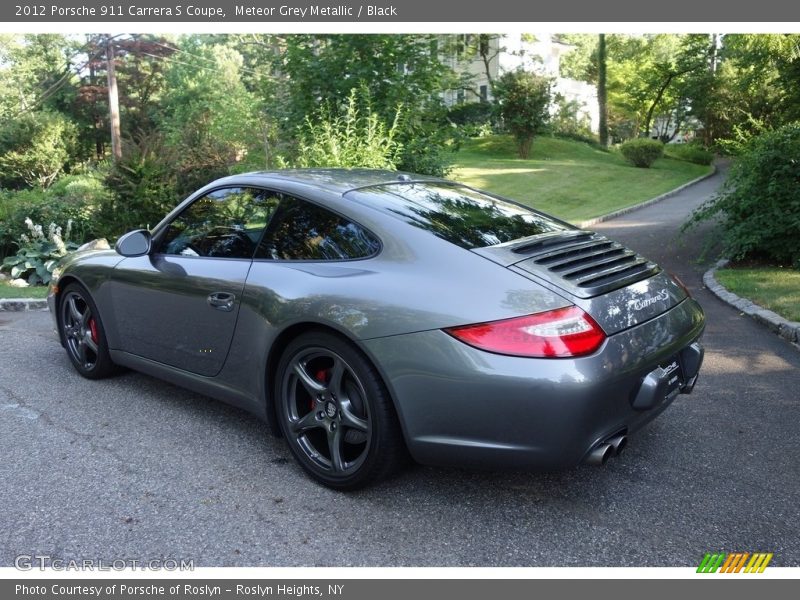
[602,92]
[36,71]
[646,77]
[755,86]
[523,101]
[139,63]
[209,116]
[394,70]
[34,148]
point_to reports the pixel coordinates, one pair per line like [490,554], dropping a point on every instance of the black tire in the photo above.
[83,334]
[336,413]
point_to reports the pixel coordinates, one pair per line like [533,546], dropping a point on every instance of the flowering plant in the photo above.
[38,253]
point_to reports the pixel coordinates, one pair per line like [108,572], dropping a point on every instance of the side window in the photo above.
[225,223]
[301,230]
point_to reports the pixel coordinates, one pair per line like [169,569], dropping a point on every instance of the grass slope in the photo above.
[569,179]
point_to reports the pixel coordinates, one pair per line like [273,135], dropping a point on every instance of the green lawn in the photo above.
[6,291]
[775,288]
[569,179]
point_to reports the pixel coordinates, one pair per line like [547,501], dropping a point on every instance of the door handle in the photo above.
[221,301]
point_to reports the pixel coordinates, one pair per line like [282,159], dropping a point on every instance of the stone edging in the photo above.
[664,196]
[788,330]
[22,304]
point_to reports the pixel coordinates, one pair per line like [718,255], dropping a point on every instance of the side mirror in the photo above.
[134,243]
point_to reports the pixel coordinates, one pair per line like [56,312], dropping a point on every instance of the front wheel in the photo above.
[335,412]
[83,333]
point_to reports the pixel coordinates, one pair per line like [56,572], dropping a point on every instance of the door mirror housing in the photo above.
[134,243]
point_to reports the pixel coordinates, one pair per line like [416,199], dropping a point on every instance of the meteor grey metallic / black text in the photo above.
[369,315]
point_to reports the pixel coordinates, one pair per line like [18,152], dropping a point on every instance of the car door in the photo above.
[179,304]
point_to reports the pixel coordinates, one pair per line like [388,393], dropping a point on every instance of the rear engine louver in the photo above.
[588,265]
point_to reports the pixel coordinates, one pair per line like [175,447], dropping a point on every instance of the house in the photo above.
[481,58]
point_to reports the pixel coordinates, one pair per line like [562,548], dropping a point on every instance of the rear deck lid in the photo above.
[616,286]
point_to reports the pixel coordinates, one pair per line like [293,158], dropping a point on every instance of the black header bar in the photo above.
[399,11]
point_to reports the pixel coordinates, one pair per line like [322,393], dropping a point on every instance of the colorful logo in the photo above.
[735,562]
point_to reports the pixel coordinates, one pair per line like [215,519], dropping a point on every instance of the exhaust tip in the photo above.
[600,454]
[618,443]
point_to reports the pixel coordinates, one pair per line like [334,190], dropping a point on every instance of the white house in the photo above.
[485,57]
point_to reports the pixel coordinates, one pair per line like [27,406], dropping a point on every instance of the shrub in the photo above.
[642,152]
[523,102]
[692,153]
[470,113]
[144,185]
[356,138]
[759,204]
[425,156]
[38,253]
[473,119]
[570,120]
[428,141]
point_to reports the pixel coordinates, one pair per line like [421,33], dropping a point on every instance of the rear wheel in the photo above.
[335,412]
[83,333]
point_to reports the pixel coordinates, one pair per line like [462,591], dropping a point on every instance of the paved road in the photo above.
[134,468]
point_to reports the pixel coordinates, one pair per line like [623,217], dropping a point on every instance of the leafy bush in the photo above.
[428,141]
[692,153]
[34,148]
[425,156]
[759,204]
[471,113]
[473,119]
[570,120]
[642,152]
[356,138]
[523,102]
[145,187]
[39,253]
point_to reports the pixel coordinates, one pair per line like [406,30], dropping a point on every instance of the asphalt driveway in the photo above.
[132,468]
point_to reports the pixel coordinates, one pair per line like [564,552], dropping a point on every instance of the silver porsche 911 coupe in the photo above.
[371,315]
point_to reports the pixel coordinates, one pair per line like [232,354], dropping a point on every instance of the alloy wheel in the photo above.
[326,411]
[80,331]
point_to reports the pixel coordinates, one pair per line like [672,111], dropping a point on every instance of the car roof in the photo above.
[338,181]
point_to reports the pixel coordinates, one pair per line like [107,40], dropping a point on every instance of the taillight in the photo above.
[559,333]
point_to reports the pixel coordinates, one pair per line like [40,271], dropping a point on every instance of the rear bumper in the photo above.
[462,406]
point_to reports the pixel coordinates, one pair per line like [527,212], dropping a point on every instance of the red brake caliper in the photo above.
[93,330]
[320,376]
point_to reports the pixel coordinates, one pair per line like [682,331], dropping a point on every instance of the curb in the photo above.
[788,330]
[22,304]
[664,196]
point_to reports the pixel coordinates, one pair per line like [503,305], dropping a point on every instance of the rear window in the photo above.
[460,215]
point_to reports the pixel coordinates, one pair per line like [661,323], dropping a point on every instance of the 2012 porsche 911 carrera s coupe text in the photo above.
[370,315]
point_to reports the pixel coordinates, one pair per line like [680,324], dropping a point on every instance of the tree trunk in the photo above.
[113,101]
[649,118]
[602,93]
